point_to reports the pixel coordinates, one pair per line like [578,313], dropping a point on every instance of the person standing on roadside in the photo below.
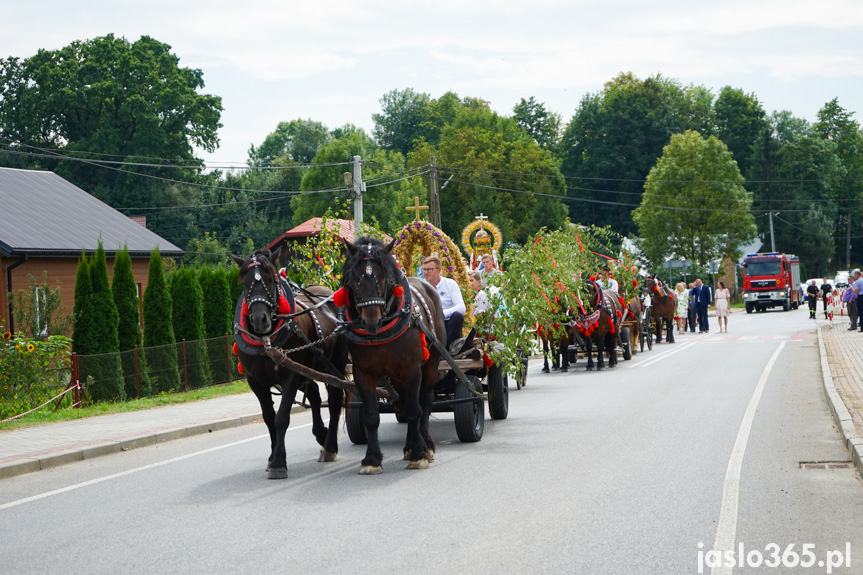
[702,302]
[855,287]
[826,291]
[690,312]
[812,292]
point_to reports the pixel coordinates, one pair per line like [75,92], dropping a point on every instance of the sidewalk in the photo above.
[42,446]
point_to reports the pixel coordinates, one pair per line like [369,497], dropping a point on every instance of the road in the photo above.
[641,469]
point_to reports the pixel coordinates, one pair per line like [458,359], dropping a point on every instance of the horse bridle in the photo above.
[271,301]
[370,273]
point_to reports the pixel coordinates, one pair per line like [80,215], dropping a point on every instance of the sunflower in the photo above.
[7,335]
[30,347]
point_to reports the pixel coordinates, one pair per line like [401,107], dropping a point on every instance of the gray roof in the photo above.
[43,214]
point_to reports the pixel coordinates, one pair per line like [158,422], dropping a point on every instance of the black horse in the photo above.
[663,306]
[266,297]
[385,339]
[556,346]
[600,325]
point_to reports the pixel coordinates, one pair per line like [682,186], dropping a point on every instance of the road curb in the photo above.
[31,464]
[853,442]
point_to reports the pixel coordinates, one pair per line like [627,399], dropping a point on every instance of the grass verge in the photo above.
[48,415]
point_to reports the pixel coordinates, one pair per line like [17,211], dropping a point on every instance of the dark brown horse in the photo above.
[599,323]
[663,306]
[265,298]
[556,346]
[385,339]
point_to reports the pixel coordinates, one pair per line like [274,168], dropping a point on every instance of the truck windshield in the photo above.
[763,268]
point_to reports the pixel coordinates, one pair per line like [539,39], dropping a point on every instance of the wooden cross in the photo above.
[481,217]
[416,207]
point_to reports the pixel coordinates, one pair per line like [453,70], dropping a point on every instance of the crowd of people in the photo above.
[693,303]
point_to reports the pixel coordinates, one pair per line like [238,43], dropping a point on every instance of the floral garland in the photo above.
[477,225]
[430,240]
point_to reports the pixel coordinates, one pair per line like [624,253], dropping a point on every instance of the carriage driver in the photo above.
[450,297]
[608,282]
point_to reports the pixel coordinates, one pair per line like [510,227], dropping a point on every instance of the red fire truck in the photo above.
[771,280]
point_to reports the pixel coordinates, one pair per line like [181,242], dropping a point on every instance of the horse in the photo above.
[259,319]
[600,325]
[393,321]
[663,306]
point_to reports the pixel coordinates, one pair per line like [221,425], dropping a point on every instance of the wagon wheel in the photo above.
[356,428]
[498,392]
[470,415]
[625,340]
[648,328]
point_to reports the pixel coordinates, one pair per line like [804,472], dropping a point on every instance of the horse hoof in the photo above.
[406,455]
[545,370]
[589,368]
[371,470]
[327,456]
[430,454]
[278,473]
[419,464]
[600,369]
[564,369]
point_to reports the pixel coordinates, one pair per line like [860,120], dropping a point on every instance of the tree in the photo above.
[125,294]
[83,325]
[297,140]
[613,141]
[105,368]
[159,330]
[107,98]
[188,316]
[694,205]
[740,120]
[402,121]
[540,124]
[218,316]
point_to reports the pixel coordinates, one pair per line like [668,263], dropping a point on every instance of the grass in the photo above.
[47,415]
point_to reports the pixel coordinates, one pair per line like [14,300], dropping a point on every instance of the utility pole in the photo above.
[359,188]
[434,213]
[772,239]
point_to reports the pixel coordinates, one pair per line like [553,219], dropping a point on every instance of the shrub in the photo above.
[188,314]
[158,329]
[129,327]
[31,371]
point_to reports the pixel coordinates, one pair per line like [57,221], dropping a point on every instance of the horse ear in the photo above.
[390,246]
[352,248]
[274,254]
[240,261]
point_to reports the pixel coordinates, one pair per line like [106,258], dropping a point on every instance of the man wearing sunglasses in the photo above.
[450,297]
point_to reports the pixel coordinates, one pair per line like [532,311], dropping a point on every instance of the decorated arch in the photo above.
[423,237]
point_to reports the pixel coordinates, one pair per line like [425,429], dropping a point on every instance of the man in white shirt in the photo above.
[609,282]
[487,269]
[450,297]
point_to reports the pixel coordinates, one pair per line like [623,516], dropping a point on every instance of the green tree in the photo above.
[297,140]
[188,316]
[108,98]
[218,318]
[613,141]
[159,330]
[125,294]
[539,123]
[402,121]
[694,205]
[740,120]
[106,370]
[83,324]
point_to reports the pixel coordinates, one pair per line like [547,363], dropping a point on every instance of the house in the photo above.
[45,224]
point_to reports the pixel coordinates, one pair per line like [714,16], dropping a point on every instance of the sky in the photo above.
[332,60]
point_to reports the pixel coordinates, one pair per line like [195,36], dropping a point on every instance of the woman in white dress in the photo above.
[682,306]
[722,299]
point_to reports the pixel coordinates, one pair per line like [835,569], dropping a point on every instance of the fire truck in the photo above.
[771,280]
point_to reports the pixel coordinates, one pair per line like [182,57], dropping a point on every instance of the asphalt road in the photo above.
[641,469]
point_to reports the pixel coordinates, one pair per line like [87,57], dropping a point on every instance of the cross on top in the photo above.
[416,208]
[481,217]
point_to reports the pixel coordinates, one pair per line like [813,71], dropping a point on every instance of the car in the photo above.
[841,280]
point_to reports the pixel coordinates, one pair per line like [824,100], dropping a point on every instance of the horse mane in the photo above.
[378,253]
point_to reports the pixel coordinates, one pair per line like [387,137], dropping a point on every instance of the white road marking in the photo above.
[726,531]
[670,352]
[136,470]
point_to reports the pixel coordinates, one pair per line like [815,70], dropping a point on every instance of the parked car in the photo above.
[841,280]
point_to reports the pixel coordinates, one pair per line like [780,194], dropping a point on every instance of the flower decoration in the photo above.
[7,335]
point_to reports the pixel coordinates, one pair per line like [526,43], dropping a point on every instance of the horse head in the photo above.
[370,275]
[260,281]
[594,297]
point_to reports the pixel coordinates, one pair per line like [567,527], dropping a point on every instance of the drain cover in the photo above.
[825,465]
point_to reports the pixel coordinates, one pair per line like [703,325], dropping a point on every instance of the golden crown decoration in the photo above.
[481,237]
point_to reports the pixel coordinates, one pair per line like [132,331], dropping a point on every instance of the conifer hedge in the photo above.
[188,315]
[129,329]
[158,329]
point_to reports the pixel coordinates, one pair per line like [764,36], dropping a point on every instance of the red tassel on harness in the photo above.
[593,278]
[240,368]
[618,315]
[340,298]
[245,309]
[236,349]
[424,346]
[486,360]
[284,306]
[398,291]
